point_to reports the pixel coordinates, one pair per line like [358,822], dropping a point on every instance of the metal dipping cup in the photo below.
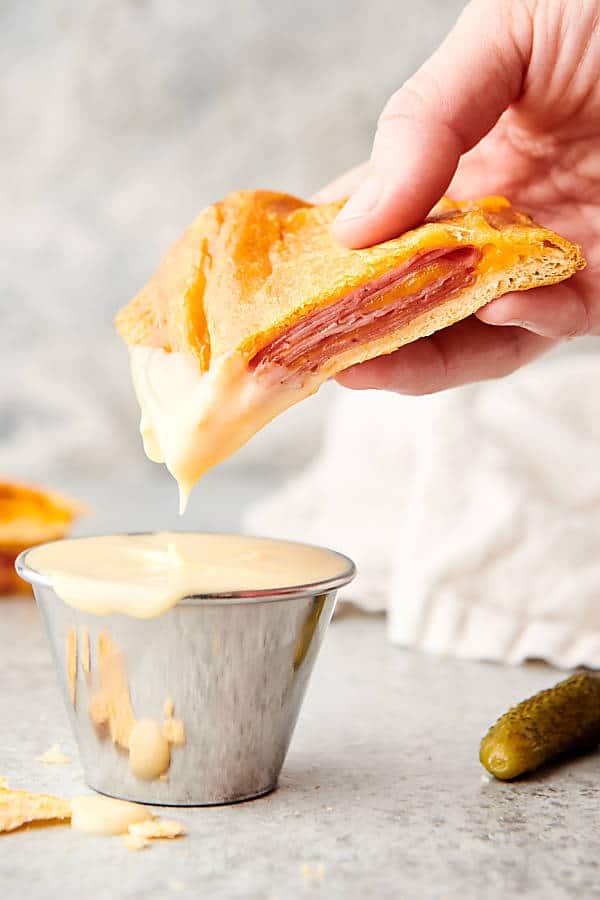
[235,666]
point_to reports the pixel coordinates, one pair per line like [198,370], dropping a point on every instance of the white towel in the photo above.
[473,515]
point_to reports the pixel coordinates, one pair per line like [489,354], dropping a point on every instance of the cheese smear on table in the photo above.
[144,575]
[105,815]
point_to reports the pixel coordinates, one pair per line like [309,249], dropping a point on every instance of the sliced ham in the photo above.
[372,310]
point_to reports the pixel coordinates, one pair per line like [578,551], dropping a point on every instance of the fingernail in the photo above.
[519,323]
[363,201]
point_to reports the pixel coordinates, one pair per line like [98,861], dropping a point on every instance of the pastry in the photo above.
[29,515]
[256,305]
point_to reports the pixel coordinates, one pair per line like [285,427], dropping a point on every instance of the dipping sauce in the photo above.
[145,575]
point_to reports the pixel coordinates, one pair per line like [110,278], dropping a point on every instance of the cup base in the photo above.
[229,801]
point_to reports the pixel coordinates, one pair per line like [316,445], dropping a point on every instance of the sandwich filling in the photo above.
[371,311]
[193,420]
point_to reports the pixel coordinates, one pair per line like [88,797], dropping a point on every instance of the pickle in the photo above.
[564,719]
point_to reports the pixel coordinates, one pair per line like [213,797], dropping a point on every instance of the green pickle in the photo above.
[564,719]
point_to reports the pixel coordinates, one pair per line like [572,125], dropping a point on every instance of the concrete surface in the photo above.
[381,796]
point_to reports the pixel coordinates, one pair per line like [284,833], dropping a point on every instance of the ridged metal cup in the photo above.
[236,667]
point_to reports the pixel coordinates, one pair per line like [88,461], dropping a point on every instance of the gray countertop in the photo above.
[381,795]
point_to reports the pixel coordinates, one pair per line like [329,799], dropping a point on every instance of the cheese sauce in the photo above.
[145,575]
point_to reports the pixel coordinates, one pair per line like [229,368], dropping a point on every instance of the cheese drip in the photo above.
[192,420]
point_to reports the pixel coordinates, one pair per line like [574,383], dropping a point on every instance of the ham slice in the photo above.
[376,308]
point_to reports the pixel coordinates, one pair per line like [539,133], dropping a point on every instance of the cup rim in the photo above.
[346,575]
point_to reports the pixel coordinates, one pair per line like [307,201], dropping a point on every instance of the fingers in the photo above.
[342,187]
[466,352]
[558,311]
[439,114]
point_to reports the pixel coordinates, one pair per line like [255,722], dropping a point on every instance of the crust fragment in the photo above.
[157,829]
[17,808]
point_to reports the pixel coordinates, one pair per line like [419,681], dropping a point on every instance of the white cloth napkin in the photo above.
[473,515]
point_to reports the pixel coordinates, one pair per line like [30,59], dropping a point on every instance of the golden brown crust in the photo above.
[258,262]
[169,311]
[29,515]
[10,583]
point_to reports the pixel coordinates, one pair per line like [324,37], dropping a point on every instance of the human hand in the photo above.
[509,104]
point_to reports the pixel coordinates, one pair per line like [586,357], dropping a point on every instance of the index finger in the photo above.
[454,99]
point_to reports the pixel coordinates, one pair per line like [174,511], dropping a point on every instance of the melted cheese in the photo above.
[501,256]
[193,420]
[145,575]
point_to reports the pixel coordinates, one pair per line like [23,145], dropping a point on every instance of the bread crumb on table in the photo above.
[53,756]
[313,872]
[135,842]
[157,828]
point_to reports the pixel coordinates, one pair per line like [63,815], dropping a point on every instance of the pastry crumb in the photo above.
[486,779]
[313,873]
[168,708]
[155,829]
[53,756]
[3,784]
[135,841]
[164,777]
[329,809]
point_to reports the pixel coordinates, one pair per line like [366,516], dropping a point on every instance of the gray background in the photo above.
[120,121]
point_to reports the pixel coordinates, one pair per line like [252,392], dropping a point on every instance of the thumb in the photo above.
[441,112]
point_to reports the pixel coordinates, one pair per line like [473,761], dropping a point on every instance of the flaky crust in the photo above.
[18,808]
[257,262]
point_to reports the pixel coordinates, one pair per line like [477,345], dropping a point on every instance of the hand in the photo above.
[509,104]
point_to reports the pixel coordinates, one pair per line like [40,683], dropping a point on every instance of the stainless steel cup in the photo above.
[235,667]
